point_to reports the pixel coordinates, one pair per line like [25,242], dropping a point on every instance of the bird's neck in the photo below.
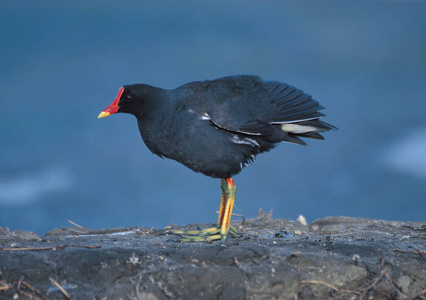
[154,103]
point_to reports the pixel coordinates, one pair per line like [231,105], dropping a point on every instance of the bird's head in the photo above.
[130,99]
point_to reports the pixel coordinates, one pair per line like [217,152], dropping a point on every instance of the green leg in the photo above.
[224,227]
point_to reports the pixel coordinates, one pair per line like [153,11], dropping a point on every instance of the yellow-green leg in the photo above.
[224,221]
[229,189]
[222,202]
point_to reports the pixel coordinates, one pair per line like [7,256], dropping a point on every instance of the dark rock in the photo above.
[340,257]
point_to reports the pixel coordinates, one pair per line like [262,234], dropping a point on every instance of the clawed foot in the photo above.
[205,235]
[224,227]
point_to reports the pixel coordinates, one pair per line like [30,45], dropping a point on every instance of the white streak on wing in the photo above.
[245,132]
[289,122]
[294,128]
[204,116]
[246,141]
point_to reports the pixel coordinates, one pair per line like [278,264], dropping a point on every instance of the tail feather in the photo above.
[292,104]
[296,102]
[303,108]
[312,135]
[290,116]
[290,97]
[321,126]
[276,89]
[291,138]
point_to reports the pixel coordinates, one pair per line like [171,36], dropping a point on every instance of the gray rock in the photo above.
[335,257]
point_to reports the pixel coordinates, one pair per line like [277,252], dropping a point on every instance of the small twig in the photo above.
[49,248]
[21,285]
[4,286]
[60,288]
[367,287]
[418,295]
[28,248]
[75,224]
[348,292]
[241,216]
[236,262]
[262,214]
[237,215]
[421,252]
[373,284]
[31,296]
[388,277]
[34,290]
[18,286]
[416,251]
[322,283]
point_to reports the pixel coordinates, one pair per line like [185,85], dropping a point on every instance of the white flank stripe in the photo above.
[205,117]
[246,141]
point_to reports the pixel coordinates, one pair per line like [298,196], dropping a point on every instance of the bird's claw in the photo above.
[205,235]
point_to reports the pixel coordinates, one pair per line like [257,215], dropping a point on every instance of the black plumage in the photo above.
[217,127]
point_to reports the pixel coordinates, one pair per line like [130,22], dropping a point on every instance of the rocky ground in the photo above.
[332,258]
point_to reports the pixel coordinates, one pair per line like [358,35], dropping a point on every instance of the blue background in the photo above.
[61,63]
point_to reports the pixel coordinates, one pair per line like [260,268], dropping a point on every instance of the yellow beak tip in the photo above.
[103,114]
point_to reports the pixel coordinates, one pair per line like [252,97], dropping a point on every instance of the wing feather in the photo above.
[249,105]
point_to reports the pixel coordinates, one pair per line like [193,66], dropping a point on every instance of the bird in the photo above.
[218,127]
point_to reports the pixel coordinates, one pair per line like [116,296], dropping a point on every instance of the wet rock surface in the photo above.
[332,258]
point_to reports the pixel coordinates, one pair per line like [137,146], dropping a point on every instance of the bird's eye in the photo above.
[128,97]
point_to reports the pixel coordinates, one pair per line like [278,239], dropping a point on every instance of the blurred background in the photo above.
[61,63]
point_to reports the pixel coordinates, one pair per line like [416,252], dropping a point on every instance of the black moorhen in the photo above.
[217,127]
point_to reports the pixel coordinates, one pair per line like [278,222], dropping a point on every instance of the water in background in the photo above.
[62,63]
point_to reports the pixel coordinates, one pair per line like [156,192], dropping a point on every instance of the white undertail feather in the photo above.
[297,129]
